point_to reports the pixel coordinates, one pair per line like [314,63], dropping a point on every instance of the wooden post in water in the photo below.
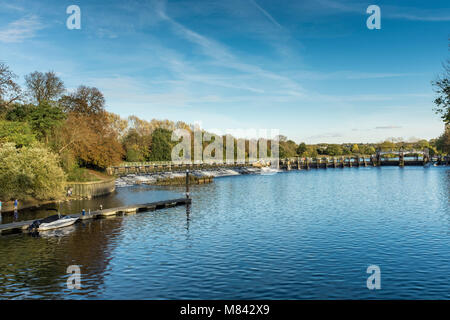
[426,156]
[401,159]
[187,184]
[378,159]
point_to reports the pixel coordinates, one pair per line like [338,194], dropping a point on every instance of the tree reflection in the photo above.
[35,267]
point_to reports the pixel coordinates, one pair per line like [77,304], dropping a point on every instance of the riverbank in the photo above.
[92,183]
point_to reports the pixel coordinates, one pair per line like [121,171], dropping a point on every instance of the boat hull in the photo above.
[61,223]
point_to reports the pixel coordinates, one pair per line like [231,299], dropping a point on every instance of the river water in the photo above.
[294,235]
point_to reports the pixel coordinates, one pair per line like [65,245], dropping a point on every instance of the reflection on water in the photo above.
[35,267]
[297,235]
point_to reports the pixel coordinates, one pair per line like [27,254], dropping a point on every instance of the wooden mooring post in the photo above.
[401,160]
[187,184]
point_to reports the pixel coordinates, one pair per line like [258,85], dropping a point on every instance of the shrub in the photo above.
[30,172]
[18,133]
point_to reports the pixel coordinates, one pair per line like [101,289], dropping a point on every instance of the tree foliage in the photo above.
[301,149]
[162,145]
[85,100]
[137,146]
[31,171]
[44,118]
[443,142]
[442,89]
[19,112]
[355,148]
[334,150]
[90,134]
[287,148]
[18,133]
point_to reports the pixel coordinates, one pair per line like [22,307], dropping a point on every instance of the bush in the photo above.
[30,172]
[18,133]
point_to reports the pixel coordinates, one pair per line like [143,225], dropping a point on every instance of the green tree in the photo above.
[18,133]
[355,149]
[137,147]
[311,151]
[334,150]
[370,150]
[19,112]
[44,118]
[443,142]
[422,144]
[287,148]
[387,145]
[301,149]
[161,149]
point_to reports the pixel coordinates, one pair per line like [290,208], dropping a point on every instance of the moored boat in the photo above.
[52,222]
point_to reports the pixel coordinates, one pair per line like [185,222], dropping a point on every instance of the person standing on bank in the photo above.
[16,204]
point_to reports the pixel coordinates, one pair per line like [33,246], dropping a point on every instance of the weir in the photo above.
[381,158]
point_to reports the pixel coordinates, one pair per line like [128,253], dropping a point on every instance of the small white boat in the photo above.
[60,223]
[52,222]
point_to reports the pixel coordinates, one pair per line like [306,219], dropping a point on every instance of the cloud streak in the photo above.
[265,13]
[387,127]
[20,30]
[221,56]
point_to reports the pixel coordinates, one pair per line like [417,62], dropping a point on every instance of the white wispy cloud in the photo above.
[20,30]
[264,12]
[389,11]
[11,7]
[387,127]
[431,17]
[221,56]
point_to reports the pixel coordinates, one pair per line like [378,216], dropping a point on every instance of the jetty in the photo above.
[22,226]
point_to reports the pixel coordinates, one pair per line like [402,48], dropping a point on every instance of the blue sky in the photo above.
[309,68]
